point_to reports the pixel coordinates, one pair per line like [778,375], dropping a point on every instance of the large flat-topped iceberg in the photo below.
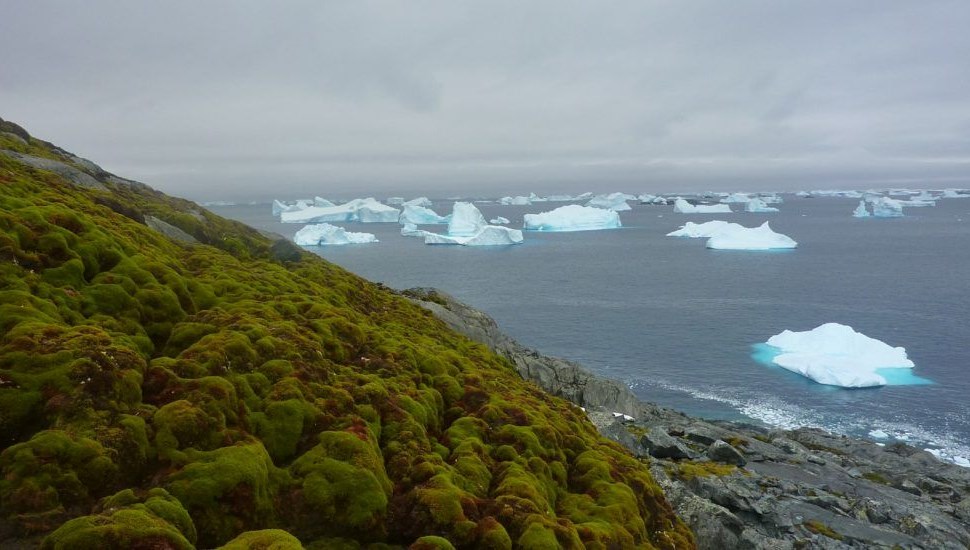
[490,235]
[681,206]
[573,217]
[364,210]
[837,355]
[324,234]
[421,215]
[704,230]
[613,201]
[750,238]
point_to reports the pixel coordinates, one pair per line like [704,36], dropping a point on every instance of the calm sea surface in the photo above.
[677,321]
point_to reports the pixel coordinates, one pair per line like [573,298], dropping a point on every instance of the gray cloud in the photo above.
[253,99]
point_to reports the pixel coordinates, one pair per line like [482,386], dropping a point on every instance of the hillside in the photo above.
[171,379]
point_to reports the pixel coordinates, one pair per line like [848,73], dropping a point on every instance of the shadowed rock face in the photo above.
[748,487]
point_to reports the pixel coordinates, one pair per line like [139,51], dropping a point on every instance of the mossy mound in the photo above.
[275,400]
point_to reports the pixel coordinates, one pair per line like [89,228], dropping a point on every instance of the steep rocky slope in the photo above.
[171,379]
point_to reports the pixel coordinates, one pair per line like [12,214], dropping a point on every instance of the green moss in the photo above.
[431,542]
[877,477]
[127,521]
[227,490]
[822,529]
[267,390]
[267,539]
[689,470]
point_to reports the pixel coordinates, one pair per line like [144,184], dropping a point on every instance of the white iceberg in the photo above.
[320,201]
[758,205]
[884,207]
[325,234]
[750,238]
[411,230]
[613,201]
[515,201]
[736,198]
[704,230]
[837,355]
[375,212]
[424,202]
[468,228]
[421,215]
[363,210]
[651,199]
[955,194]
[499,221]
[861,211]
[279,207]
[681,206]
[466,220]
[573,217]
[489,235]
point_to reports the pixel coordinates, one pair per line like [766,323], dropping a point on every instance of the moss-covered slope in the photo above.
[160,394]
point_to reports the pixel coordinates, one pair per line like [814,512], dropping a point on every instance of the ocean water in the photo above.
[680,323]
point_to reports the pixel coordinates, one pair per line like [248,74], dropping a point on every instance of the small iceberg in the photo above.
[681,206]
[613,201]
[423,202]
[955,194]
[736,198]
[499,221]
[467,227]
[421,215]
[750,238]
[861,211]
[573,217]
[884,207]
[758,205]
[324,234]
[837,355]
[651,199]
[279,207]
[515,201]
[704,230]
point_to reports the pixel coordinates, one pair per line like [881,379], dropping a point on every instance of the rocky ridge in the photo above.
[744,486]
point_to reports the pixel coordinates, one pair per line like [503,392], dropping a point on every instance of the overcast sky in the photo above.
[233,100]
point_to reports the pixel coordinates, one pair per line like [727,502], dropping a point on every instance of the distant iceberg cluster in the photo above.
[837,355]
[324,234]
[573,217]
